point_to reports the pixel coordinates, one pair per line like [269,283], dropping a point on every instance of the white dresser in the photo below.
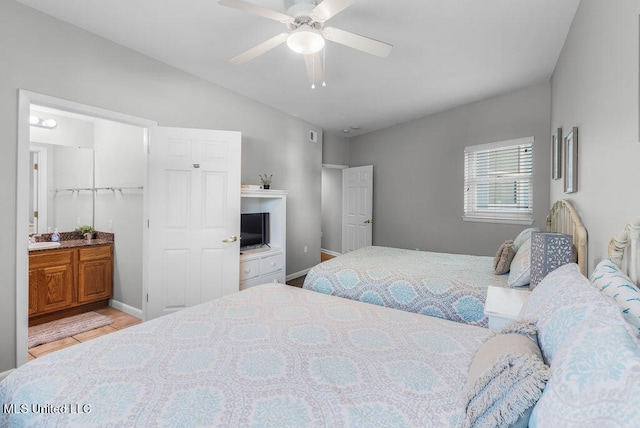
[266,264]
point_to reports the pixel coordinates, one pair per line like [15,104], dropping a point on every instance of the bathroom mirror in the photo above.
[62,178]
[62,194]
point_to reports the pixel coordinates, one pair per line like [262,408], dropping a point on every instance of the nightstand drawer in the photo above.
[249,269]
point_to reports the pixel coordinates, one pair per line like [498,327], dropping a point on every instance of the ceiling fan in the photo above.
[306,33]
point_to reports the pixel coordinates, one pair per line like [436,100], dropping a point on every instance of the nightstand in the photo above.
[503,305]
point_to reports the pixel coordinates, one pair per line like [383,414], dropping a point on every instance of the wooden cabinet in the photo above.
[51,280]
[95,273]
[63,282]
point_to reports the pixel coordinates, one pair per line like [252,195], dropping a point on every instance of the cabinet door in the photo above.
[54,287]
[95,274]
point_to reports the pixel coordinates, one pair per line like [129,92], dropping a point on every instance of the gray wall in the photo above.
[45,55]
[595,87]
[418,172]
[335,151]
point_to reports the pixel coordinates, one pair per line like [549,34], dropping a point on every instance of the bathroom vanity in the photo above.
[73,278]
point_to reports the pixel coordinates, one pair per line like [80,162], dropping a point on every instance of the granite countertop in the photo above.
[74,240]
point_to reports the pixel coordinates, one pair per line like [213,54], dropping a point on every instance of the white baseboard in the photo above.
[297,274]
[331,253]
[126,308]
[5,374]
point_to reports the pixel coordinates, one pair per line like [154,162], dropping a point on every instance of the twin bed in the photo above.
[276,355]
[449,286]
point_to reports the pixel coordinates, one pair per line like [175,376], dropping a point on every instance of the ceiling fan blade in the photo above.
[314,67]
[364,44]
[257,10]
[260,49]
[329,8]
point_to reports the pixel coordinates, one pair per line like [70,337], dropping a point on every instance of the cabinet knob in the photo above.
[247,270]
[273,264]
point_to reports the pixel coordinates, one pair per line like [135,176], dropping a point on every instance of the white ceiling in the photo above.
[446,52]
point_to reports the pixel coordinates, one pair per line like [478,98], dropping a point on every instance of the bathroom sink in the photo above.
[42,245]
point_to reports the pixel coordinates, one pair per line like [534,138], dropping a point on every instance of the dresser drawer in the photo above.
[249,269]
[274,277]
[271,264]
[94,253]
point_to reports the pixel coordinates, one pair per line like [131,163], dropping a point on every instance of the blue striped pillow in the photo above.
[609,279]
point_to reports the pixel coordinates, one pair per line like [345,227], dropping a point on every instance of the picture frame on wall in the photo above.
[556,154]
[571,161]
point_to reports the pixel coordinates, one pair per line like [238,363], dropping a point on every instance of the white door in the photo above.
[194,217]
[357,207]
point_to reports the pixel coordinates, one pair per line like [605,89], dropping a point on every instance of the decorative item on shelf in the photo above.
[86,231]
[549,251]
[265,180]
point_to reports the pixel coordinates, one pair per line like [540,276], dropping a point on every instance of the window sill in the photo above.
[524,221]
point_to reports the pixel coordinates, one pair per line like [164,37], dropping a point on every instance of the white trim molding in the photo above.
[125,308]
[297,274]
[331,253]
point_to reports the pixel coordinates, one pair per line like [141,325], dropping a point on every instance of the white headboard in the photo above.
[629,237]
[563,218]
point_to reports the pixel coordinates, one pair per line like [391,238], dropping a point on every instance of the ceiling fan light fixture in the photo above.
[305,40]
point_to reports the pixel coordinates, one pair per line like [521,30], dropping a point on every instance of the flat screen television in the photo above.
[254,230]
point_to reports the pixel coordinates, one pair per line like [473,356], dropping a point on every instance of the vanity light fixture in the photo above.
[42,122]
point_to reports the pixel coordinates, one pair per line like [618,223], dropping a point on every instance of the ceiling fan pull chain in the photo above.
[324,67]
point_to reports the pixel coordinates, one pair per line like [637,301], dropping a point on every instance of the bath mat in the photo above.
[67,327]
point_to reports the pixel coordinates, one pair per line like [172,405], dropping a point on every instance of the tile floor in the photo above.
[120,320]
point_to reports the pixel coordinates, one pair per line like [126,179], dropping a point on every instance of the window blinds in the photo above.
[498,181]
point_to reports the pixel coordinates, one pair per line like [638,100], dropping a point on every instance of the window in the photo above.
[498,182]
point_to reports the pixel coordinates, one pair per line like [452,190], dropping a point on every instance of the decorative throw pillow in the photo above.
[562,302]
[596,377]
[609,279]
[506,379]
[520,273]
[524,236]
[503,258]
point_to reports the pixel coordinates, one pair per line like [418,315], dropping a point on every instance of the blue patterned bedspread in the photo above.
[450,286]
[272,355]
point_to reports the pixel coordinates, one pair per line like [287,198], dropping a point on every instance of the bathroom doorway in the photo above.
[90,169]
[202,163]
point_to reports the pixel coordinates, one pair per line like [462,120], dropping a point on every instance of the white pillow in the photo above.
[524,236]
[520,273]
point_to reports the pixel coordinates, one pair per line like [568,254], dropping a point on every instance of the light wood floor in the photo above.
[324,257]
[120,320]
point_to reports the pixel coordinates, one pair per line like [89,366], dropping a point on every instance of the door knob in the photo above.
[233,238]
[368,221]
